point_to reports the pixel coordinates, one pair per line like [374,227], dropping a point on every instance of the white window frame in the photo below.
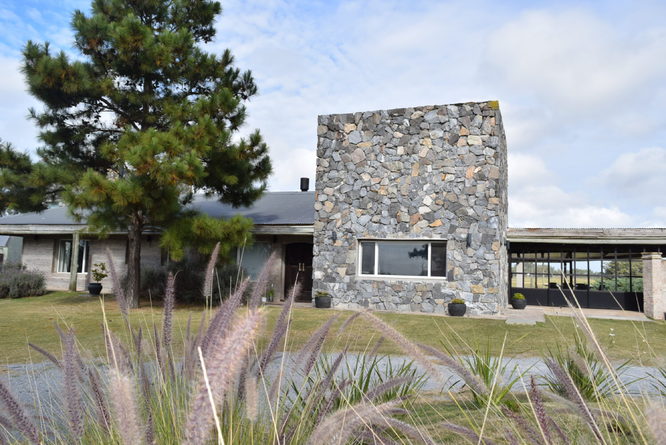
[62,268]
[428,241]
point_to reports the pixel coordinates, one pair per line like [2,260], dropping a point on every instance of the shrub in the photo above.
[518,296]
[16,282]
[99,272]
[457,301]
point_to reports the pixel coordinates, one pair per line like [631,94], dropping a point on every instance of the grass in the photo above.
[32,320]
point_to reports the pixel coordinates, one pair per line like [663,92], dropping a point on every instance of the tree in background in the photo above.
[137,125]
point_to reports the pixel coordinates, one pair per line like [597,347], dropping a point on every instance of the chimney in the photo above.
[305,184]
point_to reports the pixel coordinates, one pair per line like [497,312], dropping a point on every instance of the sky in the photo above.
[581,87]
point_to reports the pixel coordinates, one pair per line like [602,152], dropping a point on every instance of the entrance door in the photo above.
[298,266]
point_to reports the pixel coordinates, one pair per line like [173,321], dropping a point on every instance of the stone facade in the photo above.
[654,285]
[431,173]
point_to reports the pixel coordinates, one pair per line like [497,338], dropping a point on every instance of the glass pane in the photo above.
[254,258]
[403,258]
[368,258]
[542,281]
[438,259]
[637,267]
[597,283]
[637,285]
[529,280]
[64,256]
[82,265]
[517,280]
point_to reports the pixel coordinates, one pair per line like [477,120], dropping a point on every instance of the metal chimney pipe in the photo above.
[305,184]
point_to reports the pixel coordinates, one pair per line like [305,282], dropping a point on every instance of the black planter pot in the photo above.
[95,288]
[323,302]
[457,309]
[518,304]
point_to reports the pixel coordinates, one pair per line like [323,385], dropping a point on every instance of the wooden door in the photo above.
[298,267]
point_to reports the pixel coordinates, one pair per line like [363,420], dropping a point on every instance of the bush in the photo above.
[518,296]
[190,275]
[16,282]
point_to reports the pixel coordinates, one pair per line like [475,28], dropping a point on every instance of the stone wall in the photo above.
[654,285]
[433,172]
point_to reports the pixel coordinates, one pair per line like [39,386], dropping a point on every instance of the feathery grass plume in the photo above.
[655,414]
[326,384]
[169,302]
[542,417]
[225,358]
[511,438]
[5,423]
[71,387]
[466,432]
[524,426]
[375,348]
[125,410]
[20,419]
[52,358]
[207,289]
[409,430]
[224,316]
[311,350]
[118,290]
[190,354]
[145,392]
[118,355]
[386,386]
[159,352]
[261,285]
[251,398]
[407,346]
[373,437]
[345,324]
[341,425]
[573,395]
[103,418]
[474,383]
[281,326]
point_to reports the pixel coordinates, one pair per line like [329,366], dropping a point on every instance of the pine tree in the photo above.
[139,123]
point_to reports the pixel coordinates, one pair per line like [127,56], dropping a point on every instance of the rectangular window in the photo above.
[65,256]
[403,258]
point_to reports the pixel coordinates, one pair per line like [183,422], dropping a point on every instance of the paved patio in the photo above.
[536,314]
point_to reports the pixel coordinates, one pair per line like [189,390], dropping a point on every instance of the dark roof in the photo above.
[273,208]
[282,208]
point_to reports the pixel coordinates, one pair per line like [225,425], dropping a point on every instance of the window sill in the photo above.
[398,278]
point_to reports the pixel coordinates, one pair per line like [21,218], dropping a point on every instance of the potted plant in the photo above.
[518,301]
[322,299]
[98,274]
[457,307]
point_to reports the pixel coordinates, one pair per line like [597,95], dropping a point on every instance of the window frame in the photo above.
[428,241]
[86,253]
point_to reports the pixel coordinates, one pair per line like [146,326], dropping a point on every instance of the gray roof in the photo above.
[273,208]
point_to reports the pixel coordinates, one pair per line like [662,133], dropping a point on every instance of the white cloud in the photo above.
[574,59]
[550,206]
[637,175]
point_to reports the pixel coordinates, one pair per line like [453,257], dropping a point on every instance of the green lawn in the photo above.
[33,319]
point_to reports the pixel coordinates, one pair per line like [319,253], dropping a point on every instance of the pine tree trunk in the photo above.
[134,263]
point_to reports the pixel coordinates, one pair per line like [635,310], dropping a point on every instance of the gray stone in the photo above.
[408,174]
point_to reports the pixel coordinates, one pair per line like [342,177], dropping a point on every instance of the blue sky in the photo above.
[581,85]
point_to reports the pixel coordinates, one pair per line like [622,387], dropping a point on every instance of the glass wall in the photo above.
[596,268]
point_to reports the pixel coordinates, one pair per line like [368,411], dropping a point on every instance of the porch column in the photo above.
[654,285]
[74,261]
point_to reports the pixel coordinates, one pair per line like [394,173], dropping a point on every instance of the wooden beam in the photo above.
[74,261]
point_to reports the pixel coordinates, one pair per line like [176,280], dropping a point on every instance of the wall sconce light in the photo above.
[468,241]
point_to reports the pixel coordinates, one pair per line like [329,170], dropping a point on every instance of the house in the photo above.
[409,211]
